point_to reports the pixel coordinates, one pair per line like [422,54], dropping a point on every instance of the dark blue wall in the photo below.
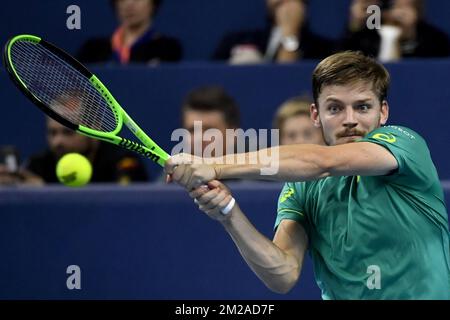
[419,99]
[138,242]
[199,24]
[135,242]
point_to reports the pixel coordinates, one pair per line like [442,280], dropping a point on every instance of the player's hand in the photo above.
[192,176]
[213,199]
[181,158]
[189,171]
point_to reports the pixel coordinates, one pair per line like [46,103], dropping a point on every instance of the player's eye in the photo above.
[334,108]
[363,107]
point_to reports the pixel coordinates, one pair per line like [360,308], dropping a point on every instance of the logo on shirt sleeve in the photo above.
[287,194]
[389,138]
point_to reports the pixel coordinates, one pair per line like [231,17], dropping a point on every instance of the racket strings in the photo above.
[61,87]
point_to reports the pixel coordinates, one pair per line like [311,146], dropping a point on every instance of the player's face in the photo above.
[208,120]
[133,13]
[62,140]
[348,112]
[300,129]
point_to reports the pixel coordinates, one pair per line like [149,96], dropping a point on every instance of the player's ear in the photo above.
[384,113]
[314,114]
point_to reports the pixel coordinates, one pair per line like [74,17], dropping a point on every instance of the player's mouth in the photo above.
[348,139]
[351,134]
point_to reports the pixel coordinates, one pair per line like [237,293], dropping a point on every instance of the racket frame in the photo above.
[148,148]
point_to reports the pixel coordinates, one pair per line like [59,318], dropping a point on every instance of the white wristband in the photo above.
[229,206]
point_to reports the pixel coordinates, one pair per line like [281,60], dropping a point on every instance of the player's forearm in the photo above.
[278,270]
[284,163]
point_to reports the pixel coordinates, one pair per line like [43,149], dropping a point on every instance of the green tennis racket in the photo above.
[69,93]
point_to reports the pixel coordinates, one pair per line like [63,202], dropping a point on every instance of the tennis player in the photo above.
[369,206]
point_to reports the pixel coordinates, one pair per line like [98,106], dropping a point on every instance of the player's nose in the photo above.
[350,119]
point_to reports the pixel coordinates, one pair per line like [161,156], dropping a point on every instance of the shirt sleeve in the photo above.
[415,167]
[291,204]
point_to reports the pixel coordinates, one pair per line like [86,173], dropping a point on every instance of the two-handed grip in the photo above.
[228,207]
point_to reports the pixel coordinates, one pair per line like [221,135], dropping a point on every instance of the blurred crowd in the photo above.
[401,32]
[392,30]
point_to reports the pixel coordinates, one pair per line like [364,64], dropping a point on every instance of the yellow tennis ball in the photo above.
[74,170]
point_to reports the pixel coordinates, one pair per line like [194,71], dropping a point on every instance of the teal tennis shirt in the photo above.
[377,237]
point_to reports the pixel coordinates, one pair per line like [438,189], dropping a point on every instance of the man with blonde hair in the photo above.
[293,120]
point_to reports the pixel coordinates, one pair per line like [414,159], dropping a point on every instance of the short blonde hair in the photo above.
[350,67]
[291,108]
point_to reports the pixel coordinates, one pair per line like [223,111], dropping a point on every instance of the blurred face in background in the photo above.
[62,140]
[209,120]
[274,5]
[300,129]
[134,13]
[402,13]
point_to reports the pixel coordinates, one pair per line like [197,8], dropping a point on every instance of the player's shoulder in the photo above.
[301,187]
[397,130]
[393,133]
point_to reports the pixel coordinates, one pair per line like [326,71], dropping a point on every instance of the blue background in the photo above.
[199,24]
[149,242]
[139,242]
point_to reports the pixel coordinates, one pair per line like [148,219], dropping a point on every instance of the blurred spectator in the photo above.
[294,122]
[204,108]
[135,40]
[403,33]
[109,163]
[214,108]
[358,13]
[10,171]
[286,38]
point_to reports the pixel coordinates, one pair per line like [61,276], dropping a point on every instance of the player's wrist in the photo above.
[217,172]
[228,220]
[229,207]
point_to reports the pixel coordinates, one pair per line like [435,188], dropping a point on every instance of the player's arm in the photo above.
[300,162]
[309,162]
[278,264]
